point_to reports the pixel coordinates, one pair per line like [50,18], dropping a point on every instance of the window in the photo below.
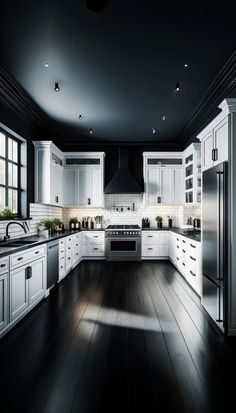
[9,173]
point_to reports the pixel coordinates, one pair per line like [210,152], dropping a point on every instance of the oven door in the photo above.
[123,249]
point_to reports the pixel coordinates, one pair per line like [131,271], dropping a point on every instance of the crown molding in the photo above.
[206,108]
[16,99]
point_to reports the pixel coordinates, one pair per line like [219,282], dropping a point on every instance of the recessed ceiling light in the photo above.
[46,65]
[153,131]
[177,88]
[56,87]
[80,117]
[90,131]
[164,117]
[186,65]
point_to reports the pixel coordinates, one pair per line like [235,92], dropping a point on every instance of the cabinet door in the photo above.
[221,141]
[207,147]
[178,186]
[83,186]
[96,187]
[60,180]
[166,185]
[18,292]
[3,301]
[37,283]
[70,187]
[152,186]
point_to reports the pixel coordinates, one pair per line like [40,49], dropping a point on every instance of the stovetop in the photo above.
[123,227]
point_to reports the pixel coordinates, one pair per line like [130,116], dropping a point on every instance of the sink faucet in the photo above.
[23,226]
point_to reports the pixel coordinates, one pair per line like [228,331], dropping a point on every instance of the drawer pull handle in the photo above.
[68,258]
[193,246]
[192,273]
[177,258]
[95,249]
[177,246]
[36,252]
[150,236]
[184,251]
[3,265]
[95,236]
[150,249]
[183,241]
[183,264]
[194,259]
[68,248]
[61,266]
[77,253]
[77,245]
[20,258]
[177,239]
[69,239]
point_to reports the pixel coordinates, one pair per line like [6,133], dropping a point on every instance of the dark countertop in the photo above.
[193,234]
[38,240]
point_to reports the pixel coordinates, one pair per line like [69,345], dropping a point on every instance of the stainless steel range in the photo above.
[123,243]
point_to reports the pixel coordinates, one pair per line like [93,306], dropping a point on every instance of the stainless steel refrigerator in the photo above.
[214,242]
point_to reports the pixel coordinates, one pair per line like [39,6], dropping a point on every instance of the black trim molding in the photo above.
[207,107]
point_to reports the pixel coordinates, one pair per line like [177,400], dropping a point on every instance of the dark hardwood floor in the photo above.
[117,337]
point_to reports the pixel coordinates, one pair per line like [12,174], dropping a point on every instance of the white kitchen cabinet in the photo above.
[84,179]
[192,173]
[155,244]
[185,254]
[69,253]
[49,174]
[93,244]
[163,178]
[27,285]
[215,136]
[4,303]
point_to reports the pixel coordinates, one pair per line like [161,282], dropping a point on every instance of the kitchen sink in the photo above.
[15,244]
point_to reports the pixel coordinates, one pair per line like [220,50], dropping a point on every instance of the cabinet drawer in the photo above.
[149,250]
[4,265]
[96,249]
[94,237]
[149,237]
[26,255]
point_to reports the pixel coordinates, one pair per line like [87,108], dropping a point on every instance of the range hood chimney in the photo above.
[123,181]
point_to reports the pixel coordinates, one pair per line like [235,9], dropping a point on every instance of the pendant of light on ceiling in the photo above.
[56,87]
[177,88]
[153,131]
[90,131]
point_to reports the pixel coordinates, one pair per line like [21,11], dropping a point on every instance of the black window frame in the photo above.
[18,164]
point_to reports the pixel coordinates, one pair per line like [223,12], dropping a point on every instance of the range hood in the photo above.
[123,181]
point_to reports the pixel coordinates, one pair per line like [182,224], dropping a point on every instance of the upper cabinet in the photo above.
[192,173]
[49,174]
[215,137]
[84,179]
[163,178]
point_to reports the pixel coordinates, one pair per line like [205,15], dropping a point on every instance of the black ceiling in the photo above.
[119,67]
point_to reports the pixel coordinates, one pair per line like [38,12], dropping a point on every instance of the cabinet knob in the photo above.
[159,199]
[183,264]
[193,246]
[3,265]
[192,273]
[20,258]
[194,259]
[184,251]
[36,252]
[56,199]
[89,201]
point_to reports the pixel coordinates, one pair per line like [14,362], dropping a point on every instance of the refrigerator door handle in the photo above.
[220,191]
[219,320]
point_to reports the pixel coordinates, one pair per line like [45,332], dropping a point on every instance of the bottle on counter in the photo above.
[170,222]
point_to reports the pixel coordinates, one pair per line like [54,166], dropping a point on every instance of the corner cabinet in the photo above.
[84,179]
[163,178]
[49,174]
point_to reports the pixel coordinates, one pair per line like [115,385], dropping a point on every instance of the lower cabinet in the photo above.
[3,301]
[185,254]
[27,286]
[155,244]
[93,243]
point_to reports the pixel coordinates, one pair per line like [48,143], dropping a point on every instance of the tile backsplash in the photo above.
[38,212]
[179,213]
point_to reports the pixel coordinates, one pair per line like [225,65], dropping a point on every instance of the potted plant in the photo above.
[158,219]
[73,222]
[6,213]
[47,225]
[57,224]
